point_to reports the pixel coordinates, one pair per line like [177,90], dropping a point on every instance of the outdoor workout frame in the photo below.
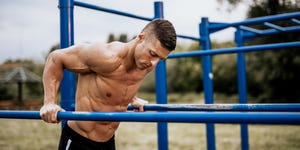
[243,113]
[242,34]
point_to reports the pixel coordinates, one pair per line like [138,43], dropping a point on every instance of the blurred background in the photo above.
[29,30]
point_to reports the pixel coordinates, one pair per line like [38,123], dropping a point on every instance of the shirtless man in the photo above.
[109,78]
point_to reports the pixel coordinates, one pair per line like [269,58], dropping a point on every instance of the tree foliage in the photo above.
[122,38]
[273,75]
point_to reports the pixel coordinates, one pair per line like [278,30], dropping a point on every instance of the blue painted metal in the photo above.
[253,33]
[94,7]
[242,85]
[161,94]
[67,88]
[213,27]
[161,88]
[189,37]
[295,21]
[222,107]
[284,118]
[207,79]
[245,28]
[276,27]
[235,50]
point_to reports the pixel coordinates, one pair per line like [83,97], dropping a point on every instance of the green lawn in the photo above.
[37,135]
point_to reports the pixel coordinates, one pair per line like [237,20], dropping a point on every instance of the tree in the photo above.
[122,38]
[273,75]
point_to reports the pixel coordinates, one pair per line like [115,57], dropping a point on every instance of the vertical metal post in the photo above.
[67,88]
[161,88]
[242,85]
[207,79]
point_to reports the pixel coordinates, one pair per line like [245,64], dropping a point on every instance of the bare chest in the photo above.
[108,91]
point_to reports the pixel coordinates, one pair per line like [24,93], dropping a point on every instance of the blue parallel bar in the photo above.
[175,117]
[94,7]
[189,37]
[295,21]
[245,28]
[242,85]
[161,88]
[219,26]
[207,79]
[222,107]
[276,27]
[67,87]
[162,98]
[268,31]
[235,50]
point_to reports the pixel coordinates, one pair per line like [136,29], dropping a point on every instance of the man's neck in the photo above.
[129,59]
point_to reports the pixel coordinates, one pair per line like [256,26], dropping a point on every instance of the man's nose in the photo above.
[154,62]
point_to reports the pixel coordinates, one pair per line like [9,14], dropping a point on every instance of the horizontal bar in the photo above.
[249,29]
[272,31]
[189,37]
[295,21]
[94,7]
[235,50]
[221,107]
[276,27]
[179,117]
[219,26]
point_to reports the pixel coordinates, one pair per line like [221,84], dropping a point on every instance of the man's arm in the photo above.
[57,61]
[81,58]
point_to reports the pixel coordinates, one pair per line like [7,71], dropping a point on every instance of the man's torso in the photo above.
[105,92]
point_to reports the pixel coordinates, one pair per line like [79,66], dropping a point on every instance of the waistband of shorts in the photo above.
[78,136]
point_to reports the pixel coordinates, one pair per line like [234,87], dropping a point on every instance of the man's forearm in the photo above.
[52,77]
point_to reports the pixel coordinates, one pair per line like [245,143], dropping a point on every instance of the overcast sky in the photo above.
[28,28]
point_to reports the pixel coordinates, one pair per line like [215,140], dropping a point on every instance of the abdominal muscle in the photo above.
[95,95]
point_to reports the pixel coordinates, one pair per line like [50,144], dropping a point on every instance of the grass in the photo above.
[37,135]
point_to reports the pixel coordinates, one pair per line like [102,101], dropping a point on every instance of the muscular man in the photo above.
[109,76]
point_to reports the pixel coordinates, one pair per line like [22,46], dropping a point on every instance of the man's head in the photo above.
[154,43]
[163,31]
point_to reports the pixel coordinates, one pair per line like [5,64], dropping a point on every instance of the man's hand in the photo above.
[49,113]
[138,104]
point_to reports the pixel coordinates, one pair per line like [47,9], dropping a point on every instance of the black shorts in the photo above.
[71,140]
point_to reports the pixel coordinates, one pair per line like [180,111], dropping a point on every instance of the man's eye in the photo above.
[153,54]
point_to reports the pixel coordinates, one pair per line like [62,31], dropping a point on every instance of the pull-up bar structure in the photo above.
[209,113]
[287,118]
[222,107]
[243,33]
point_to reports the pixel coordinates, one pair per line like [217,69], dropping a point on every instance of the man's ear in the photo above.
[141,36]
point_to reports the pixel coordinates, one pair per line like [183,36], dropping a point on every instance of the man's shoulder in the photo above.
[104,57]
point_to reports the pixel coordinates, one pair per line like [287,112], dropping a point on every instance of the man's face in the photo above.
[149,52]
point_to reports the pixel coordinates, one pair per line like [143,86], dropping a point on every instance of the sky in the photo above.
[29,28]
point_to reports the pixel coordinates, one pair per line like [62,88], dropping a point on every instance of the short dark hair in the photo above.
[164,31]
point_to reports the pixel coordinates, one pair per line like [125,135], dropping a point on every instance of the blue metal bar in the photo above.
[161,88]
[242,85]
[207,79]
[276,27]
[245,28]
[270,31]
[284,118]
[189,37]
[94,7]
[295,21]
[219,26]
[222,107]
[235,50]
[67,88]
